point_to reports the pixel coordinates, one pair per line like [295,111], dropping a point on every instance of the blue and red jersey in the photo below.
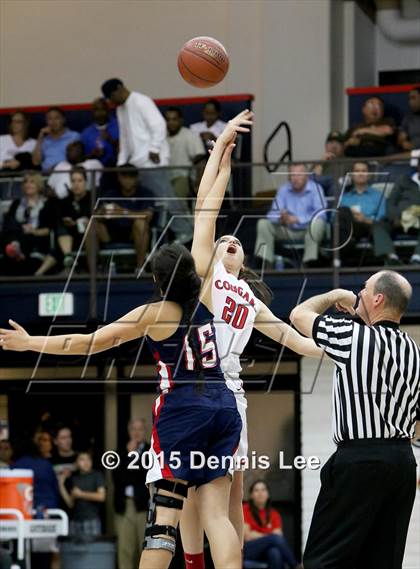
[176,359]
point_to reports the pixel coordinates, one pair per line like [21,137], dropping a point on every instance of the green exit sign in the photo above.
[56,304]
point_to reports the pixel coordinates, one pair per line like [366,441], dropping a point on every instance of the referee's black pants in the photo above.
[363,510]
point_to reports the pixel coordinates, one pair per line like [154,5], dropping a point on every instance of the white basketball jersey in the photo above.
[234,308]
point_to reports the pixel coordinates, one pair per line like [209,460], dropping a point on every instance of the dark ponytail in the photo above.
[262,291]
[176,278]
[255,513]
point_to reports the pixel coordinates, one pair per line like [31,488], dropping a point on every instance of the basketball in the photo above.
[203,62]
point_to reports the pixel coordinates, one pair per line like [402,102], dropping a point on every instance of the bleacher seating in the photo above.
[384,174]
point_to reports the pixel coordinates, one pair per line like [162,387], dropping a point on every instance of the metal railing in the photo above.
[384,172]
[287,154]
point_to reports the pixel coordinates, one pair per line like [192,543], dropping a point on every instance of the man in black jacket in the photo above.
[404,196]
[131,496]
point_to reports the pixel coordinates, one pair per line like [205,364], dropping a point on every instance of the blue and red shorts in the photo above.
[195,434]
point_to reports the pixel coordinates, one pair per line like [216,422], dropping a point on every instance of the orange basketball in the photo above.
[203,62]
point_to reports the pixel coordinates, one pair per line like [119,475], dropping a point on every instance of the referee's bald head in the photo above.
[396,289]
[385,296]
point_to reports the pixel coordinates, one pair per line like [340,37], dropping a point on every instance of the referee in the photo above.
[368,485]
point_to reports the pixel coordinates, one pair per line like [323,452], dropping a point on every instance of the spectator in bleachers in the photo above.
[28,226]
[291,218]
[59,179]
[403,212]
[64,457]
[46,493]
[131,497]
[130,211]
[100,138]
[363,208]
[53,140]
[143,144]
[186,150]
[16,147]
[375,136]
[44,442]
[83,492]
[6,453]
[409,137]
[211,127]
[328,173]
[74,215]
[334,149]
[263,535]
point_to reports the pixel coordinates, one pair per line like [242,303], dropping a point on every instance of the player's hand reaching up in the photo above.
[219,161]
[240,123]
[16,339]
[225,162]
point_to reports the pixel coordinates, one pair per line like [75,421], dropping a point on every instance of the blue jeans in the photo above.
[273,549]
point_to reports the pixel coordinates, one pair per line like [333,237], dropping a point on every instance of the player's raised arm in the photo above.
[210,198]
[269,325]
[239,123]
[205,221]
[132,325]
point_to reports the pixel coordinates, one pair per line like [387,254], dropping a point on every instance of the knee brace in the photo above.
[153,529]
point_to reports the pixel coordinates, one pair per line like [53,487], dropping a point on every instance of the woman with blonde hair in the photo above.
[28,228]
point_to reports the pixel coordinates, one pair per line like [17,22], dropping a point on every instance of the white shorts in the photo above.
[242,405]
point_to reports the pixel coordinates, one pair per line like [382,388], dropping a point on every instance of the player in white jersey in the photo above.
[235,306]
[236,309]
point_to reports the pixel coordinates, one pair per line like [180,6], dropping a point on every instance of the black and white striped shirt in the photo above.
[377,378]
